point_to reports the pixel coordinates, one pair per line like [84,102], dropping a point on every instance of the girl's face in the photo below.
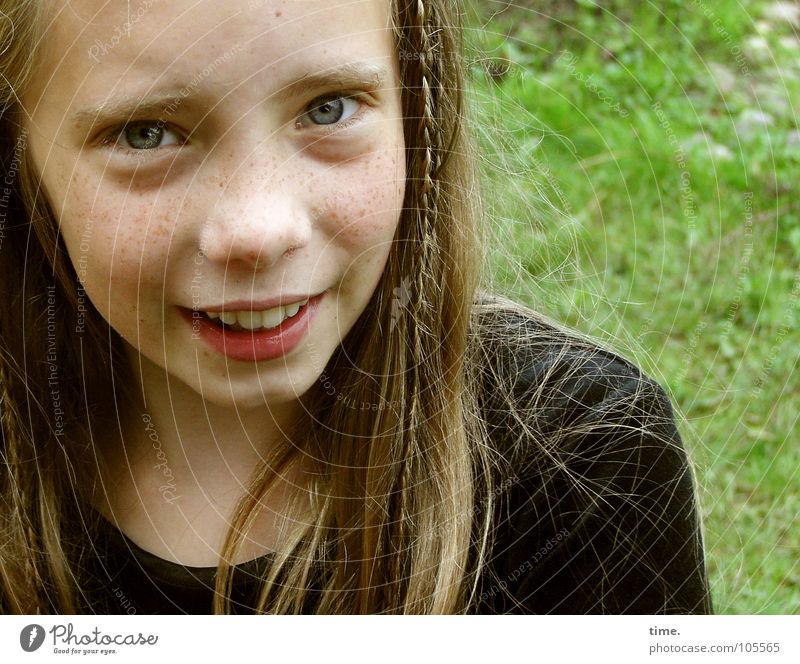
[227,177]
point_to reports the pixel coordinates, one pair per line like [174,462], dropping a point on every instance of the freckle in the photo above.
[278,14]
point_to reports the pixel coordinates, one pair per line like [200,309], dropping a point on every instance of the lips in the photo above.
[253,334]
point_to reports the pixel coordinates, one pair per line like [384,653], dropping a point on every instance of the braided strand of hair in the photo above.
[428,132]
[425,212]
[421,311]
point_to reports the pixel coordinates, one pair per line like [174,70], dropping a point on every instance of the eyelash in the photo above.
[114,137]
[336,126]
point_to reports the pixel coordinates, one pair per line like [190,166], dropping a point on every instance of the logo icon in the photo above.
[31,637]
[402,297]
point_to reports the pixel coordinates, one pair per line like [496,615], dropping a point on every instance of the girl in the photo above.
[246,364]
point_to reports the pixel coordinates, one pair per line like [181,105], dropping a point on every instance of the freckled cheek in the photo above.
[115,254]
[365,209]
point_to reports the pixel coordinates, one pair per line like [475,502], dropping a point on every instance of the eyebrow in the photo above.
[125,108]
[363,75]
[343,76]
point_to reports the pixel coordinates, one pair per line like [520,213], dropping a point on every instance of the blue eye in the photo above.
[331,109]
[144,135]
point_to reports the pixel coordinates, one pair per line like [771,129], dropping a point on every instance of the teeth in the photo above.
[273,317]
[249,320]
[254,320]
[229,317]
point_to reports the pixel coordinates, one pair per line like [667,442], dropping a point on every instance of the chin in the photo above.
[253,394]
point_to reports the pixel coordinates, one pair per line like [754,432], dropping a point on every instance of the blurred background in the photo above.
[641,164]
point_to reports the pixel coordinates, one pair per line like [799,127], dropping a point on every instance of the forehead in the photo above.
[96,46]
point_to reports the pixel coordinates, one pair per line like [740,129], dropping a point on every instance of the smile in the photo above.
[253,335]
[256,320]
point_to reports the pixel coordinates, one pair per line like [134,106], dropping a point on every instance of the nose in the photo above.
[254,226]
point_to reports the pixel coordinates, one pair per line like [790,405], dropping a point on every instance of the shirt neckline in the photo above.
[177,574]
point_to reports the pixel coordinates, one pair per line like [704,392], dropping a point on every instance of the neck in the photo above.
[183,464]
[206,444]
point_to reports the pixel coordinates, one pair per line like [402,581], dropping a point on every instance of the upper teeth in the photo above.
[253,320]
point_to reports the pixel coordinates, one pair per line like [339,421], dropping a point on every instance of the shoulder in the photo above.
[599,515]
[540,381]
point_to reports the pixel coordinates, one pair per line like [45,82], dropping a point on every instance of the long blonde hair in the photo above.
[396,491]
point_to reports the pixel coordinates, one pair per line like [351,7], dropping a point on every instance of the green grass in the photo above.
[638,208]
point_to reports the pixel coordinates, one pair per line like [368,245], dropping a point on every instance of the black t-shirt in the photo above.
[601,519]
